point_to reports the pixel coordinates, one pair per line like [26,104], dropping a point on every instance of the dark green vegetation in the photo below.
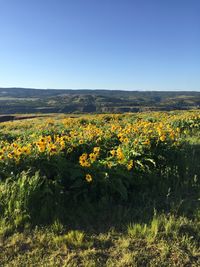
[19,100]
[148,215]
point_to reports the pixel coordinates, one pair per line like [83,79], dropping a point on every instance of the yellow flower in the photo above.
[120,154]
[130,165]
[84,156]
[147,142]
[62,144]
[26,150]
[10,156]
[17,152]
[172,135]
[52,149]
[15,145]
[88,178]
[112,152]
[96,150]
[135,142]
[93,157]
[83,160]
[42,139]
[162,138]
[2,157]
[85,164]
[41,146]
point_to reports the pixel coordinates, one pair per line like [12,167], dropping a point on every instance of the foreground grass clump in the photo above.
[164,241]
[101,190]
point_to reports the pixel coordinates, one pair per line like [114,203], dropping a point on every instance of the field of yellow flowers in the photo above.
[110,152]
[102,170]
[93,141]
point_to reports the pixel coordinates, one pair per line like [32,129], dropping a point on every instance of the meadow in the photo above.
[101,190]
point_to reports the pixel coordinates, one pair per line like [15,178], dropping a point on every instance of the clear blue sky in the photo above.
[111,44]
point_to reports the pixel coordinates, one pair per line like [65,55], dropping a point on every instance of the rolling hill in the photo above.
[25,100]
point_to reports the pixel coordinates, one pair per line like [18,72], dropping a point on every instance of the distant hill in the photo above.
[25,100]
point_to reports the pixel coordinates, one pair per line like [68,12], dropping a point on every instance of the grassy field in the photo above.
[101,190]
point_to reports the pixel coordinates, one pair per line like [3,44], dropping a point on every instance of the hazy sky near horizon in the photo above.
[110,44]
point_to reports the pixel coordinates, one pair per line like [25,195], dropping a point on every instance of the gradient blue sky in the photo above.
[111,44]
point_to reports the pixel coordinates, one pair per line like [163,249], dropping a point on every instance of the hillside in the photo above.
[24,100]
[102,190]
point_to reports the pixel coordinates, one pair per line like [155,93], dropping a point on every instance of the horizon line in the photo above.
[104,89]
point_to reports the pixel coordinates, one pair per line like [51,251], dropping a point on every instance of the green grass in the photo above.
[164,241]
